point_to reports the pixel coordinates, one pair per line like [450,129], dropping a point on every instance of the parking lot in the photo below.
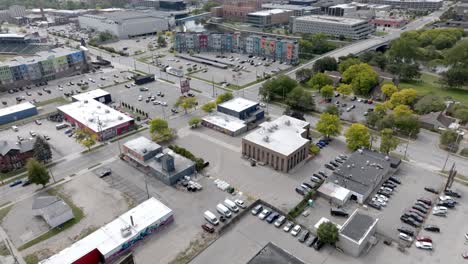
[356,114]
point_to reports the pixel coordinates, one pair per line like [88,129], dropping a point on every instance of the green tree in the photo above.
[194,121]
[86,138]
[404,97]
[277,87]
[186,103]
[405,48]
[327,91]
[327,232]
[319,80]
[401,110]
[314,150]
[208,5]
[162,41]
[37,173]
[303,75]
[407,124]
[444,41]
[42,152]
[457,55]
[455,77]
[300,99]
[208,107]
[345,64]
[160,131]
[332,109]
[328,125]
[325,64]
[345,89]
[388,141]
[389,89]
[357,136]
[362,77]
[429,103]
[448,138]
[224,97]
[404,71]
[462,114]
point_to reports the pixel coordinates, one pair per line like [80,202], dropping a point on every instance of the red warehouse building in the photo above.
[98,118]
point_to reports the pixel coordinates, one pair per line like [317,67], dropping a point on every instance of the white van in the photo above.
[231,205]
[223,210]
[15,128]
[60,126]
[211,218]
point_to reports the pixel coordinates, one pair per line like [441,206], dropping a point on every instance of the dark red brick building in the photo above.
[13,155]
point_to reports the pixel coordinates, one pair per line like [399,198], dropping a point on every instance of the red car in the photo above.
[208,228]
[465,255]
[424,239]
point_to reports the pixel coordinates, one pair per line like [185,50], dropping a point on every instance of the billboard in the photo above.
[185,85]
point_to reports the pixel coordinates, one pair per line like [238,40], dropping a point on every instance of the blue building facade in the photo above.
[17,112]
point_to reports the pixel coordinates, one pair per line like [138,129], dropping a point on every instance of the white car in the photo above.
[440,208]
[445,198]
[140,98]
[439,213]
[288,226]
[240,203]
[163,103]
[423,245]
[383,197]
[405,237]
[296,230]
[380,201]
[264,214]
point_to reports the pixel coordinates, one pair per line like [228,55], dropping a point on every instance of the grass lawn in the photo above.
[428,83]
[59,100]
[4,212]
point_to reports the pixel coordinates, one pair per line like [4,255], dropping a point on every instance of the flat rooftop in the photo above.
[180,163]
[289,7]
[39,56]
[142,145]
[95,115]
[90,95]
[268,12]
[357,226]
[238,104]
[330,19]
[109,238]
[282,135]
[16,108]
[272,254]
[224,121]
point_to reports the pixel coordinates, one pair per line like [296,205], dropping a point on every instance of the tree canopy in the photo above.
[362,77]
[186,103]
[332,109]
[37,172]
[329,125]
[42,152]
[160,131]
[224,97]
[389,89]
[346,63]
[327,232]
[86,138]
[194,121]
[448,138]
[300,99]
[345,89]
[429,103]
[357,136]
[404,97]
[388,141]
[319,80]
[327,91]
[209,107]
[325,64]
[277,87]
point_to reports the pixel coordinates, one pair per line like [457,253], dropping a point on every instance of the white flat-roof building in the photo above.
[333,26]
[116,238]
[271,17]
[298,10]
[96,94]
[225,123]
[99,118]
[357,233]
[420,5]
[282,143]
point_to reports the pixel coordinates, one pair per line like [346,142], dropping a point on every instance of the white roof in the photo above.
[289,7]
[269,12]
[331,189]
[331,19]
[238,104]
[227,122]
[12,35]
[282,135]
[108,238]
[90,95]
[16,108]
[95,115]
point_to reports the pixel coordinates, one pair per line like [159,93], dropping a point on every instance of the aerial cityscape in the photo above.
[233,131]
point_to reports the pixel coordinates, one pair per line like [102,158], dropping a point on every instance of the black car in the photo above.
[446,204]
[318,176]
[384,193]
[26,183]
[418,213]
[452,193]
[391,186]
[420,209]
[330,167]
[338,212]
[426,201]
[334,164]
[308,185]
[431,190]
[318,244]
[432,228]
[311,240]
[375,205]
[222,218]
[406,230]
[411,222]
[423,205]
[105,173]
[272,217]
[322,174]
[300,191]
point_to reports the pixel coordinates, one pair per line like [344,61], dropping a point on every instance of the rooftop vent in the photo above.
[144,150]
[99,107]
[387,158]
[120,117]
[288,122]
[91,119]
[266,138]
[85,101]
[367,163]
[126,231]
[107,111]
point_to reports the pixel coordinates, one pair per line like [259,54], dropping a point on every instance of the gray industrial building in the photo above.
[333,26]
[17,112]
[358,177]
[53,210]
[128,24]
[164,164]
[357,233]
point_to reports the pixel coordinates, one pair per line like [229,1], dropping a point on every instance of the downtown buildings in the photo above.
[282,49]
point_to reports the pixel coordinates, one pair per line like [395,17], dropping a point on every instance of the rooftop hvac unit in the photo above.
[120,117]
[266,138]
[91,119]
[107,111]
[387,158]
[85,101]
[288,122]
[99,107]
[144,150]
[126,231]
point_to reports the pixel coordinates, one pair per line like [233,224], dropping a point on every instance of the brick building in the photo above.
[282,144]
[13,155]
[237,9]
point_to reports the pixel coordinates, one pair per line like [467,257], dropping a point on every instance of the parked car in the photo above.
[375,205]
[257,209]
[264,214]
[318,245]
[208,228]
[300,191]
[452,193]
[17,182]
[426,201]
[105,172]
[240,203]
[448,204]
[296,229]
[303,236]
[26,183]
[423,245]
[330,167]
[431,190]
[280,221]
[405,237]
[395,180]
[334,164]
[315,179]
[406,230]
[420,208]
[338,212]
[432,228]
[272,217]
[423,205]
[424,239]
[288,226]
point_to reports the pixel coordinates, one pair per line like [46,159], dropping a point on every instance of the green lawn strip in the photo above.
[169,81]
[428,83]
[77,212]
[4,212]
[60,100]
[464,152]
[31,259]
[3,249]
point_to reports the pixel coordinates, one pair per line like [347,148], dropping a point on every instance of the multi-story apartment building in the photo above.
[419,5]
[268,18]
[44,66]
[333,26]
[282,49]
[237,9]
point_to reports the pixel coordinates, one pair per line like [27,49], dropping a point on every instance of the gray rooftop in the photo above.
[25,146]
[362,171]
[289,7]
[180,163]
[44,201]
[128,15]
[142,145]
[357,226]
[272,254]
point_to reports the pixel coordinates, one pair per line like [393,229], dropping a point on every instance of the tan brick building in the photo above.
[281,144]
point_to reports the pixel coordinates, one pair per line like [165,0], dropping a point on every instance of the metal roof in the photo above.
[357,226]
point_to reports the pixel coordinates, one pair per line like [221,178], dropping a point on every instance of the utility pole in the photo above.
[450,150]
[134,63]
[53,178]
[407,143]
[146,182]
[212,82]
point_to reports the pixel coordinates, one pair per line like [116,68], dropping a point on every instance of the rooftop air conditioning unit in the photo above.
[91,119]
[107,111]
[288,122]
[387,158]
[120,117]
[126,231]
[99,107]
[85,101]
[266,139]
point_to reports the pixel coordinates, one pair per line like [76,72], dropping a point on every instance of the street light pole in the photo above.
[407,143]
[450,150]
